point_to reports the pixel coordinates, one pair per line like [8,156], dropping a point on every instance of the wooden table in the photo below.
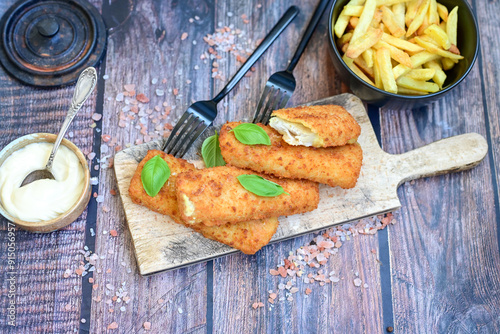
[436,270]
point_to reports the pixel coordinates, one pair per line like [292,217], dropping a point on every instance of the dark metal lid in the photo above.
[48,43]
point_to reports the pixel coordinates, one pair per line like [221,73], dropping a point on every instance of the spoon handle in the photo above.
[84,87]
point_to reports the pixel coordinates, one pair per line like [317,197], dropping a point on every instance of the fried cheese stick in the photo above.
[249,236]
[317,126]
[214,196]
[334,166]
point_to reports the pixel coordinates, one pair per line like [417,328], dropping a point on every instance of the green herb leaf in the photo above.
[154,175]
[260,186]
[251,134]
[210,151]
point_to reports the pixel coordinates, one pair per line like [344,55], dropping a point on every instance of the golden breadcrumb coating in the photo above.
[249,236]
[334,166]
[214,196]
[332,125]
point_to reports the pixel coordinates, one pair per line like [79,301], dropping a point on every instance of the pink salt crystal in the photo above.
[129,88]
[273,272]
[282,271]
[146,325]
[142,98]
[326,244]
[113,325]
[96,117]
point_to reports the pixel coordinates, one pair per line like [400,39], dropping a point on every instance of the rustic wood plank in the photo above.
[444,253]
[148,46]
[344,308]
[41,259]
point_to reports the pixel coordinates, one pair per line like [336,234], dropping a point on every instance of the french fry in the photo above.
[399,13]
[434,49]
[363,43]
[390,22]
[376,72]
[408,91]
[351,10]
[448,64]
[364,66]
[439,75]
[422,74]
[343,20]
[344,39]
[368,57]
[390,2]
[350,63]
[423,26]
[423,86]
[385,67]
[401,43]
[442,12]
[401,46]
[439,35]
[451,25]
[442,25]
[353,22]
[416,60]
[419,18]
[433,13]
[364,20]
[411,11]
[396,54]
[377,18]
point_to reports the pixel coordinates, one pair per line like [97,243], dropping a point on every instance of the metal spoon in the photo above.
[84,86]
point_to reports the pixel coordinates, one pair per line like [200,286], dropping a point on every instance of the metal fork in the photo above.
[280,86]
[200,115]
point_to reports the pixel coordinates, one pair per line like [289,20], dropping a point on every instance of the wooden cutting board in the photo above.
[160,244]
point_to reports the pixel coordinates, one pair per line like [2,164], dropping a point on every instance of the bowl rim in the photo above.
[402,96]
[65,218]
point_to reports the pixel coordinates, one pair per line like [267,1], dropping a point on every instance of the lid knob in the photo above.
[48,27]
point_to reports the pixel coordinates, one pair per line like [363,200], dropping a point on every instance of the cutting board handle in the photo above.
[452,154]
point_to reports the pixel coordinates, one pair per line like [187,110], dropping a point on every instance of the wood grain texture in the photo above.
[444,248]
[161,244]
[444,255]
[41,259]
[174,302]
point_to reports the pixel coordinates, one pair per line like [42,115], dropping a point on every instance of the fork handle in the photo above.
[307,35]
[285,20]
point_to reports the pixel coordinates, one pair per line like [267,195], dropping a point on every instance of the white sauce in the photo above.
[43,199]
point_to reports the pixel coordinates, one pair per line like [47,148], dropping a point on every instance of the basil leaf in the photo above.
[251,134]
[260,186]
[210,151]
[154,175]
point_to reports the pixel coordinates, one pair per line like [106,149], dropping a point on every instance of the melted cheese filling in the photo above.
[294,133]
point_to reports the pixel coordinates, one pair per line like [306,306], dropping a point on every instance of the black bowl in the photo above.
[468,44]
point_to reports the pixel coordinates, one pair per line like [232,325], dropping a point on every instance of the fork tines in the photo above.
[276,99]
[186,131]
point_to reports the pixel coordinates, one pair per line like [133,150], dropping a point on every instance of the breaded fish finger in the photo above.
[317,126]
[214,196]
[248,236]
[335,166]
